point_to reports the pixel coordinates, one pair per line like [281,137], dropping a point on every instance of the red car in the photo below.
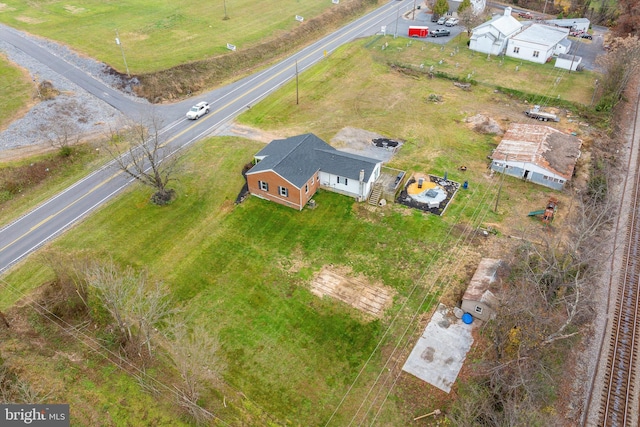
[525,15]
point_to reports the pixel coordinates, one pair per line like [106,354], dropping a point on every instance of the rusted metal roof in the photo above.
[541,145]
[485,275]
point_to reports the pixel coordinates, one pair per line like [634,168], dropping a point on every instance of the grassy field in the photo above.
[244,271]
[16,89]
[156,35]
[24,184]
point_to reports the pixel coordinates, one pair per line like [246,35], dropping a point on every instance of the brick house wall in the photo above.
[271,186]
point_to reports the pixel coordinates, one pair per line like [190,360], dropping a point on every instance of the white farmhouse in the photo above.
[491,37]
[538,43]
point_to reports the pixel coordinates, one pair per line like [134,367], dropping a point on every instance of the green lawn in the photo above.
[156,35]
[16,90]
[244,271]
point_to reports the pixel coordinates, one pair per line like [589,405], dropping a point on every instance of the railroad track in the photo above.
[620,374]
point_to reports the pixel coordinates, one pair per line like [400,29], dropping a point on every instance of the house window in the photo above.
[478,309]
[346,181]
[312,180]
[338,179]
[283,191]
[536,53]
[264,186]
[306,188]
[561,181]
[516,49]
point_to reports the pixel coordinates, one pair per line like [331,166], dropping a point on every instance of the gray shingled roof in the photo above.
[298,158]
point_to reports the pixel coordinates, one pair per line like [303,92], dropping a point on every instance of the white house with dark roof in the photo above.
[289,171]
[537,153]
[492,36]
[538,43]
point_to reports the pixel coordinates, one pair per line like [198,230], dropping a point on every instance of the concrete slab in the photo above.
[441,350]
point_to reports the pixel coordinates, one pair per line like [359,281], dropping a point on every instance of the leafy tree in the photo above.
[465,5]
[441,7]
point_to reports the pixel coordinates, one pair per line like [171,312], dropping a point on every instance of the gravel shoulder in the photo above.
[30,134]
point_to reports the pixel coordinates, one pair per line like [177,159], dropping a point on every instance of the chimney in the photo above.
[507,11]
[361,175]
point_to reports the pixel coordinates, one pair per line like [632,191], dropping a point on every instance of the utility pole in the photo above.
[122,50]
[225,11]
[413,17]
[595,89]
[397,18]
[297,99]
[504,169]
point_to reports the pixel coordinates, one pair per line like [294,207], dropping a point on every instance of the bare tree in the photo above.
[67,296]
[547,300]
[194,354]
[63,135]
[137,308]
[469,19]
[139,150]
[621,62]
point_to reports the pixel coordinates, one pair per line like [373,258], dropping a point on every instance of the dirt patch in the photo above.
[248,132]
[74,9]
[484,124]
[371,299]
[29,20]
[361,142]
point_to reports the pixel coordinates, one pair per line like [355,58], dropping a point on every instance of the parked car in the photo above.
[198,110]
[525,15]
[442,20]
[576,33]
[586,36]
[440,32]
[434,18]
[451,22]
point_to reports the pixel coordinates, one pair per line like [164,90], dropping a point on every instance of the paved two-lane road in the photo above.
[49,220]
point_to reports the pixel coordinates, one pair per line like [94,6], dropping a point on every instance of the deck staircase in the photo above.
[374,198]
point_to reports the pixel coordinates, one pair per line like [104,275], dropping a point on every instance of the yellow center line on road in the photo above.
[86,194]
[321,48]
[189,128]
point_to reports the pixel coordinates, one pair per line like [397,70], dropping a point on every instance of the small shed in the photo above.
[478,300]
[568,62]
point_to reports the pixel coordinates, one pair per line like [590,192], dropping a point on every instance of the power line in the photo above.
[136,372]
[398,313]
